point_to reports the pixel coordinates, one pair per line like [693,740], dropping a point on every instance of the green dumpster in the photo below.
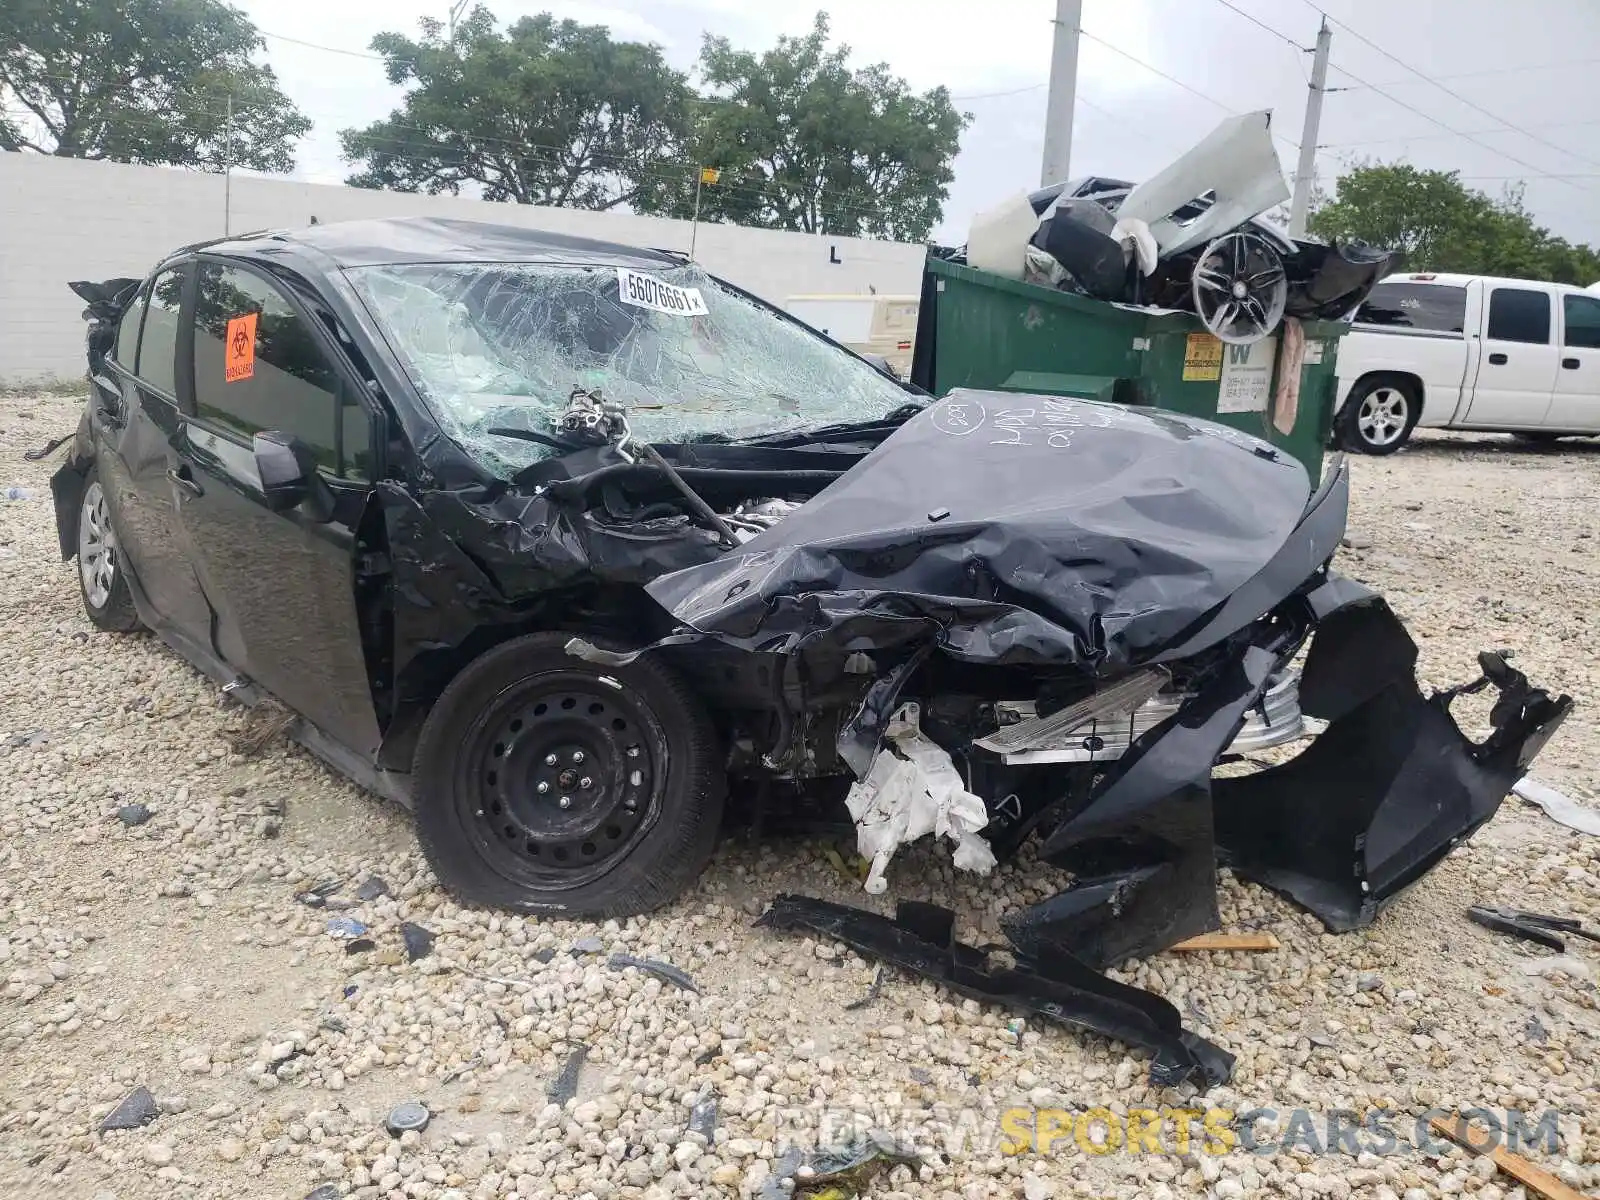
[980,330]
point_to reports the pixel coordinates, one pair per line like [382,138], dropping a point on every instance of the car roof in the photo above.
[1455,279]
[399,240]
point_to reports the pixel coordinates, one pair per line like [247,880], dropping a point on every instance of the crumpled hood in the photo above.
[1027,529]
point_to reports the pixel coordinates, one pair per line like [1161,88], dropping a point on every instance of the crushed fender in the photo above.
[921,939]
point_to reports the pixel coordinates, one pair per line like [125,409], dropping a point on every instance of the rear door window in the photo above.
[1582,316]
[127,352]
[1437,307]
[1519,315]
[158,345]
[258,365]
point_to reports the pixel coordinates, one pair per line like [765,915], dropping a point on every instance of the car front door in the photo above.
[138,412]
[1516,360]
[1575,407]
[282,582]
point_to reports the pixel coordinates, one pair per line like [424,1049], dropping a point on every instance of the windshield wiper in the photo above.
[825,433]
[566,446]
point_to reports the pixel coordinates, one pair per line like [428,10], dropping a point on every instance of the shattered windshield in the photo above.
[503,345]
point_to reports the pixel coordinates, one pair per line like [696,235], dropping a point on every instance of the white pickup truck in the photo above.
[1469,352]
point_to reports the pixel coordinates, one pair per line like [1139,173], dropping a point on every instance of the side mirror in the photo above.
[288,474]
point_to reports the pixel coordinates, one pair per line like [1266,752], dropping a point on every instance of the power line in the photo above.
[1428,137]
[1282,37]
[1032,87]
[1157,71]
[1495,150]
[1523,70]
[1154,70]
[1458,96]
[278,37]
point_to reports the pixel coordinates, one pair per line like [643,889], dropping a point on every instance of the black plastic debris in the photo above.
[921,939]
[664,971]
[316,896]
[133,815]
[406,1116]
[1392,784]
[547,955]
[360,945]
[419,941]
[565,1085]
[1538,928]
[874,990]
[372,888]
[703,1118]
[137,1110]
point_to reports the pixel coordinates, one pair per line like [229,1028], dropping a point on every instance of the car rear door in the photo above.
[1517,359]
[282,582]
[1575,406]
[138,413]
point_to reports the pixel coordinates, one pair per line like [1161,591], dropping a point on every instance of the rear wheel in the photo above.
[545,783]
[1379,416]
[101,578]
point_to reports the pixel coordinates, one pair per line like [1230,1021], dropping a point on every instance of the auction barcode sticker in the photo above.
[646,291]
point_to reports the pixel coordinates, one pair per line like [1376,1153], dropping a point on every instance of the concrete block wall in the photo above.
[63,219]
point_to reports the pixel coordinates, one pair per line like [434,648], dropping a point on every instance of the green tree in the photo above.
[547,113]
[803,142]
[142,81]
[1442,225]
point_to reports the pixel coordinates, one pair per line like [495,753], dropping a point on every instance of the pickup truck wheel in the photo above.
[1379,416]
[547,784]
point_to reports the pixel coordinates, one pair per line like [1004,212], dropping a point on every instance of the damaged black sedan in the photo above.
[551,540]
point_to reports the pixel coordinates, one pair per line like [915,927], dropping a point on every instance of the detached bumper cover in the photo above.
[1392,784]
[1376,800]
[921,939]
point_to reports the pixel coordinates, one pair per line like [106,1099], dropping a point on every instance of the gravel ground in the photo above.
[174,955]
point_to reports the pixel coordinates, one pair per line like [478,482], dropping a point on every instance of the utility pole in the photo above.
[1306,174]
[1063,93]
[456,10]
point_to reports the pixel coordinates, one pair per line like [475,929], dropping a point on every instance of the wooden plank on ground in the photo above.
[1229,941]
[1535,1179]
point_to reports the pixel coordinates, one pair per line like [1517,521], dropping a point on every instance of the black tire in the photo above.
[102,578]
[1379,415]
[628,753]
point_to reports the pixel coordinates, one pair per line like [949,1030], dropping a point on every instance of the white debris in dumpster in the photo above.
[913,789]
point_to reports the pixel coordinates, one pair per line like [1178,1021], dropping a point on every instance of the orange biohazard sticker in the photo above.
[239,355]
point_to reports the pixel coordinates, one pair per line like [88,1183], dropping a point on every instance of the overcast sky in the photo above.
[1534,64]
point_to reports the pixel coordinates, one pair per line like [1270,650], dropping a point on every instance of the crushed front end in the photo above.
[1060,629]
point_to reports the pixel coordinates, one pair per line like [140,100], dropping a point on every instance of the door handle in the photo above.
[1497,359]
[1570,364]
[182,477]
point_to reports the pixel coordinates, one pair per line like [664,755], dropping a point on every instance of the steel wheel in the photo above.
[1240,288]
[1383,416]
[565,775]
[97,547]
